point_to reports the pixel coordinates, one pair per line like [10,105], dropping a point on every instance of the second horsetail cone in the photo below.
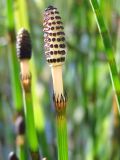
[23,44]
[20,126]
[20,131]
[54,37]
[24,53]
[12,156]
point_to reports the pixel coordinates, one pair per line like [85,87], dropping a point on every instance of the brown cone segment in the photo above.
[23,44]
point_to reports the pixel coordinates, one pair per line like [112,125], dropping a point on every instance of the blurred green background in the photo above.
[93,121]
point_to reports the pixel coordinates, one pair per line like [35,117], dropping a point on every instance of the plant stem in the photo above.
[118,45]
[21,153]
[60,107]
[94,99]
[61,127]
[30,126]
[84,65]
[20,137]
[109,49]
[116,124]
[16,87]
[28,106]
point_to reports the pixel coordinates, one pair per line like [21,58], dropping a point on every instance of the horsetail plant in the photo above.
[22,20]
[20,139]
[109,49]
[12,156]
[24,50]
[55,52]
[13,65]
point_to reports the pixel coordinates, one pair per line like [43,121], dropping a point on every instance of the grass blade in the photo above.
[108,47]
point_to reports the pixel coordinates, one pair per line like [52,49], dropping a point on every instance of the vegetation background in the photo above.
[93,121]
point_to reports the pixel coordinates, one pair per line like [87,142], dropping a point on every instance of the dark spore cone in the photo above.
[54,37]
[23,44]
[20,126]
[12,156]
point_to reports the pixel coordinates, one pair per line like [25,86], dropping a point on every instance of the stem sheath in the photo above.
[57,80]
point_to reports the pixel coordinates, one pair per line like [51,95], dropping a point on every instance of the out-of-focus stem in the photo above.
[28,109]
[20,138]
[14,70]
[109,49]
[118,46]
[21,147]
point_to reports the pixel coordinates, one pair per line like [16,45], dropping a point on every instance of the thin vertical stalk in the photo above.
[84,80]
[20,138]
[61,127]
[21,153]
[3,137]
[61,120]
[116,122]
[30,126]
[94,99]
[118,46]
[116,127]
[109,49]
[16,88]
